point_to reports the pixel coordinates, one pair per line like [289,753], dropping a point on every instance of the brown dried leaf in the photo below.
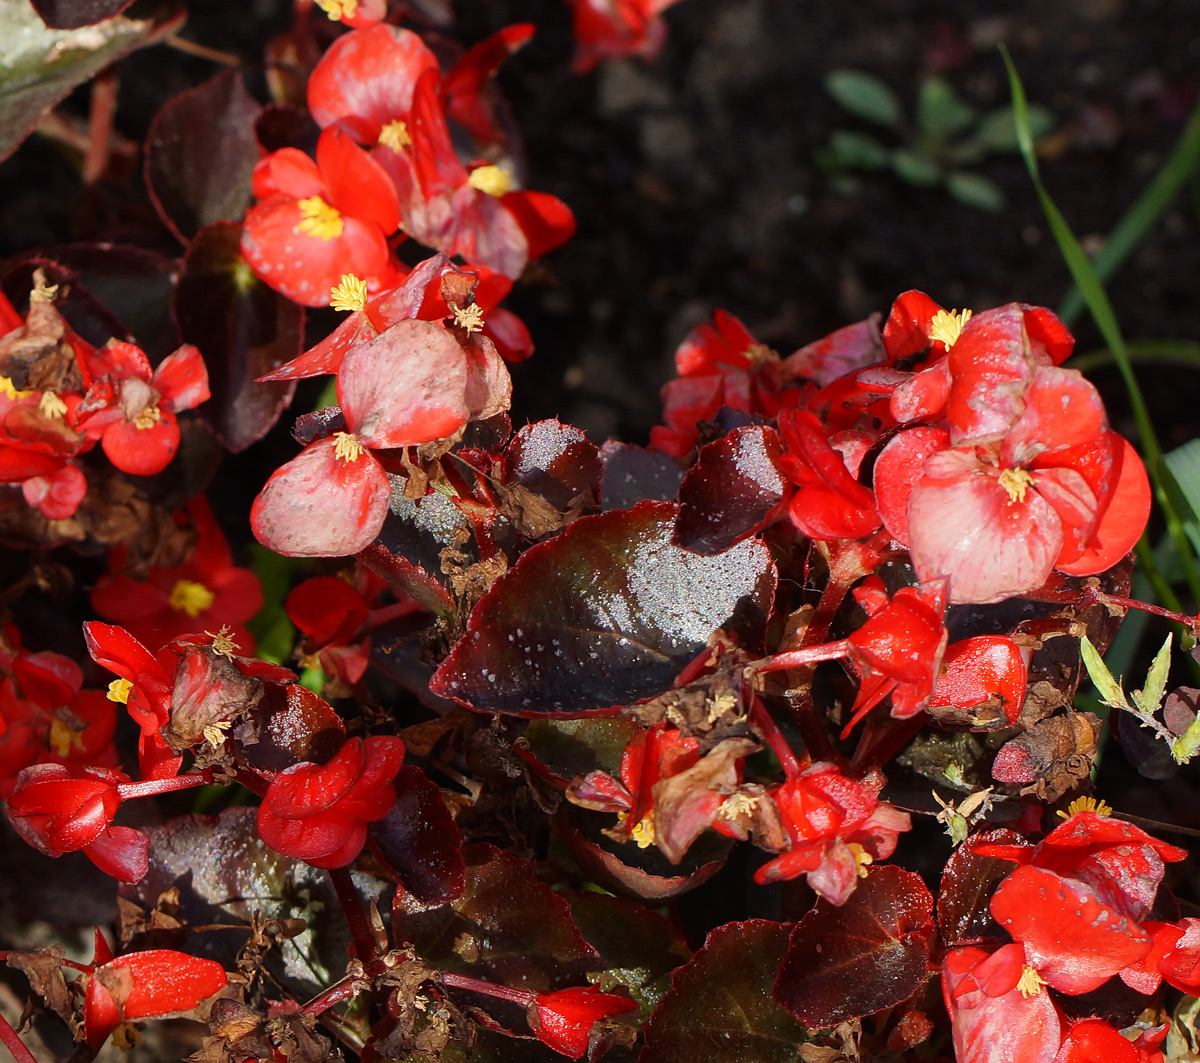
[1053,758]
[44,971]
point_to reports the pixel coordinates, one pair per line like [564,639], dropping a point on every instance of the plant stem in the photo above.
[356,915]
[523,997]
[11,1041]
[770,729]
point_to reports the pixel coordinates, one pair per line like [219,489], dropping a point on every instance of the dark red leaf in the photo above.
[633,473]
[243,329]
[605,613]
[735,487]
[420,842]
[73,14]
[967,885]
[719,1007]
[506,927]
[871,953]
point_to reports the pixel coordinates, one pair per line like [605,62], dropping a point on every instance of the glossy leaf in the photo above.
[72,14]
[200,152]
[871,953]
[419,841]
[243,328]
[633,473]
[735,487]
[604,614]
[967,885]
[719,1008]
[506,927]
[40,66]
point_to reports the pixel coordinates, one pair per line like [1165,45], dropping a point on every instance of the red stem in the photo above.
[11,1041]
[500,992]
[774,737]
[356,915]
[154,787]
[827,651]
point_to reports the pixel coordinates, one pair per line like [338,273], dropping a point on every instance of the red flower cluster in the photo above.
[385,160]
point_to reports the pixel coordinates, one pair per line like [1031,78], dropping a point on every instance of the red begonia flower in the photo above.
[413,383]
[319,812]
[142,985]
[829,502]
[836,826]
[1179,962]
[131,409]
[204,593]
[720,364]
[1094,1041]
[471,213]
[464,89]
[330,613]
[56,494]
[977,668]
[46,718]
[613,29]
[317,221]
[993,1021]
[564,1020]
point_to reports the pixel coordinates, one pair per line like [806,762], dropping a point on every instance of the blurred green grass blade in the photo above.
[1145,212]
[1183,353]
[1183,484]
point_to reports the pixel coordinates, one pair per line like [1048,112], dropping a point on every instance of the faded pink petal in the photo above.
[990,368]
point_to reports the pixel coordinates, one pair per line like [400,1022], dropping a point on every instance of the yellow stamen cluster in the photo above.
[1016,482]
[42,292]
[50,405]
[148,418]
[643,833]
[118,691]
[63,737]
[394,135]
[469,318]
[757,353]
[862,858]
[223,644]
[490,179]
[1086,804]
[214,733]
[350,294]
[346,447]
[188,596]
[338,9]
[9,391]
[947,326]
[1031,982]
[319,219]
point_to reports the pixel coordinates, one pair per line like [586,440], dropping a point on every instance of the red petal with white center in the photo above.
[1122,521]
[977,668]
[58,494]
[142,451]
[182,378]
[923,395]
[546,220]
[365,80]
[1075,505]
[287,172]
[1144,976]
[1062,410]
[842,351]
[897,470]
[963,525]
[358,186]
[1004,1028]
[302,266]
[990,368]
[405,387]
[326,357]
[320,505]
[1181,965]
[906,331]
[1075,942]
[464,86]
[486,232]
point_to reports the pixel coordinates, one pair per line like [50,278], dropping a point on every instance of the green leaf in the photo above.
[40,66]
[997,131]
[941,112]
[1110,690]
[1149,698]
[975,190]
[274,635]
[857,151]
[1182,481]
[865,96]
[915,169]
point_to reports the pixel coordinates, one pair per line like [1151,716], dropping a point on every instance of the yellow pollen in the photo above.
[338,9]
[469,318]
[643,833]
[947,326]
[757,353]
[319,219]
[223,644]
[188,596]
[1086,804]
[351,294]
[1031,982]
[862,858]
[490,179]
[214,733]
[62,738]
[347,447]
[394,135]
[9,391]
[735,805]
[1015,482]
[50,405]
[42,292]
[118,691]
[148,418]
